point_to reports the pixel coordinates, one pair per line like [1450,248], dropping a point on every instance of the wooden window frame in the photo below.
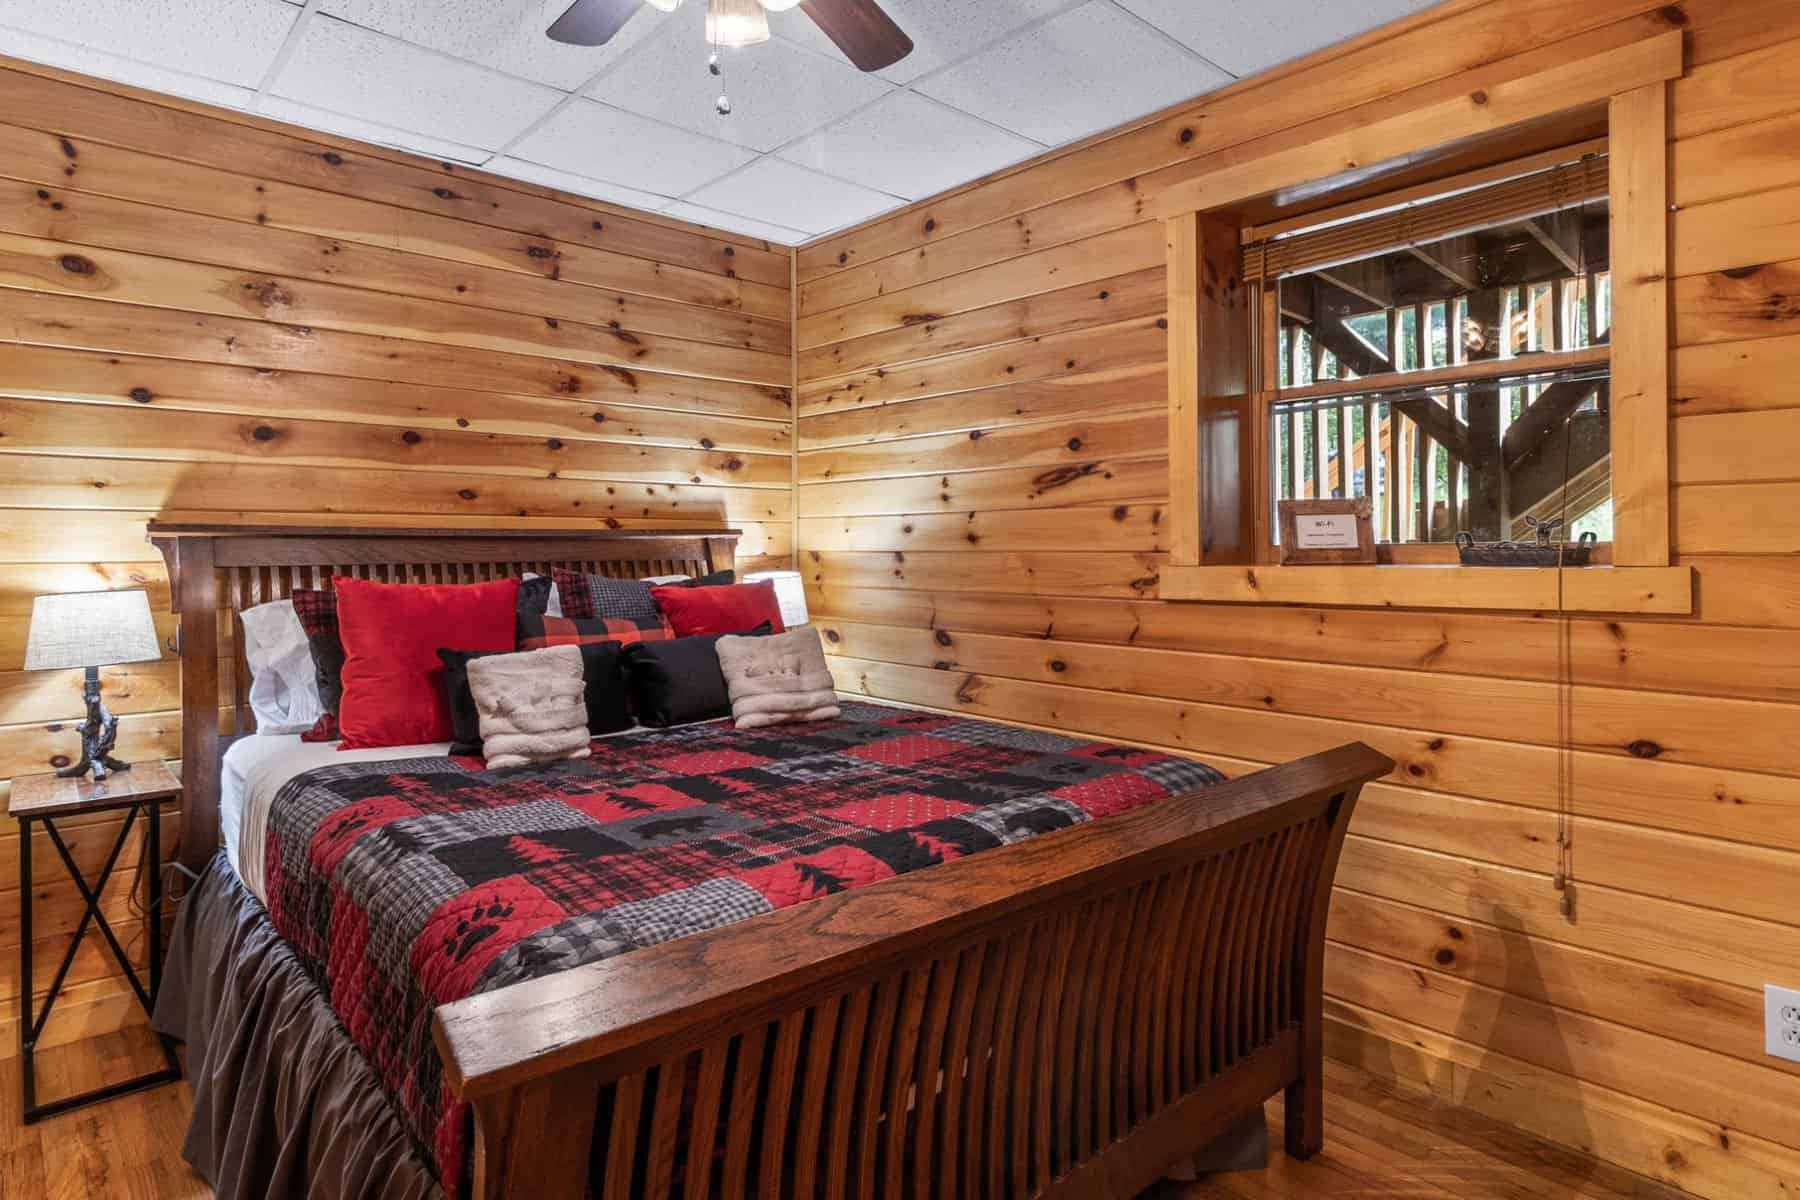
[1218,479]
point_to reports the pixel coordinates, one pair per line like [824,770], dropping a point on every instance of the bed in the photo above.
[888,955]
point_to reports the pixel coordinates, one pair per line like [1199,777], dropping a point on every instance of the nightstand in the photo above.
[42,800]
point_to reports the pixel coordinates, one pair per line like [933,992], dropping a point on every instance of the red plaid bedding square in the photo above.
[406,885]
[537,632]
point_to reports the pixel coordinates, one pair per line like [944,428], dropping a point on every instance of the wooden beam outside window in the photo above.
[1211,440]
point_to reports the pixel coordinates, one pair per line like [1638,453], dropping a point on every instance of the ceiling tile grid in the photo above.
[1077,74]
[778,192]
[811,144]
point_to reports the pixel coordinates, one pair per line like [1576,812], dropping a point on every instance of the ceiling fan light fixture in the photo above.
[665,5]
[736,23]
[778,5]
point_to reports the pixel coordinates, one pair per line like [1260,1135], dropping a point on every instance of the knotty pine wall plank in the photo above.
[219,315]
[963,585]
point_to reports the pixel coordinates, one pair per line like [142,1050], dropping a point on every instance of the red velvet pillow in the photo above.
[393,679]
[733,609]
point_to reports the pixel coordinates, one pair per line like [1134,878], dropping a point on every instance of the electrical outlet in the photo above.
[1781,1022]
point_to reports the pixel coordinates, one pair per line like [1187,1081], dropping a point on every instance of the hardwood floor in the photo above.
[1381,1144]
[127,1148]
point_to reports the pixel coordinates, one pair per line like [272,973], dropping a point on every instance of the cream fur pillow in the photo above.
[533,706]
[777,679]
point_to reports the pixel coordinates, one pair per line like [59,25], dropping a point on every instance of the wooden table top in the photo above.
[49,796]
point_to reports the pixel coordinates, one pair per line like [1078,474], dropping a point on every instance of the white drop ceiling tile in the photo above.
[1083,72]
[347,69]
[507,35]
[778,91]
[233,41]
[942,30]
[732,223]
[370,131]
[70,57]
[581,185]
[781,193]
[910,146]
[602,142]
[1246,38]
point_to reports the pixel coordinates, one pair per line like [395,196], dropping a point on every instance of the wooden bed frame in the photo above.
[1068,1016]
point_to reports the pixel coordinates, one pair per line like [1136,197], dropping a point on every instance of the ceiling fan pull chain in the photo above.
[723,104]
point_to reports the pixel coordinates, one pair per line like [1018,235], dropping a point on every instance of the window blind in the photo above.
[1419,223]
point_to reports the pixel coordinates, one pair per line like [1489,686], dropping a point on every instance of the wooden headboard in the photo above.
[219,570]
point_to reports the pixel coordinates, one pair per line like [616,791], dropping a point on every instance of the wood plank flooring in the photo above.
[1381,1144]
[128,1148]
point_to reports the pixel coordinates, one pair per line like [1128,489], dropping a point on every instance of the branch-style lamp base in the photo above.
[99,733]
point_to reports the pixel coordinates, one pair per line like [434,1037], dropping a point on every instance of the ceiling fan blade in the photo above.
[592,22]
[866,35]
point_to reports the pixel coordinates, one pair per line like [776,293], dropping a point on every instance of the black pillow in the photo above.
[716,579]
[465,718]
[608,701]
[678,680]
[603,676]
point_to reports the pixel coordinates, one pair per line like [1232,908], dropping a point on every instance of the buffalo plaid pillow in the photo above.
[586,597]
[537,632]
[317,610]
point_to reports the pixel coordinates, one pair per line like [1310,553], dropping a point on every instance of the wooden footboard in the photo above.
[1066,1016]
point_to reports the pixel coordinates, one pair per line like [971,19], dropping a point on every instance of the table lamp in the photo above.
[92,630]
[790,594]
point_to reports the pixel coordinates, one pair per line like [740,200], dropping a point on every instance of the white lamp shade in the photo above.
[90,629]
[790,594]
[736,23]
[780,5]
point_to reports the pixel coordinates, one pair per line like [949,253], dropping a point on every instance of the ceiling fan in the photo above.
[866,34]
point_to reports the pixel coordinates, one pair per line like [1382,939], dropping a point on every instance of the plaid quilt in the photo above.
[406,885]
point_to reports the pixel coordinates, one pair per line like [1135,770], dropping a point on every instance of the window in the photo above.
[1467,353]
[1444,354]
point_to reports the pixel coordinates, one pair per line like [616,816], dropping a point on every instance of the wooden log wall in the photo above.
[212,313]
[982,481]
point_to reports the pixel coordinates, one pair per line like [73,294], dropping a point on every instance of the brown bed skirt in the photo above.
[284,1105]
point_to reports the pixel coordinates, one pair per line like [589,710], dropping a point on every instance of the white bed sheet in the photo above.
[241,757]
[263,764]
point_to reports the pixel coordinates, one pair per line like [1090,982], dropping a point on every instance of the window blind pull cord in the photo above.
[1565,664]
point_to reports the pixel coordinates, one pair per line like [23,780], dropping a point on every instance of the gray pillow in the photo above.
[777,679]
[533,706]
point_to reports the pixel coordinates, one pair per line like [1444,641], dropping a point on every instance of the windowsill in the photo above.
[1665,590]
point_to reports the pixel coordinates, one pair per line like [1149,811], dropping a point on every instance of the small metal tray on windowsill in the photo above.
[1525,554]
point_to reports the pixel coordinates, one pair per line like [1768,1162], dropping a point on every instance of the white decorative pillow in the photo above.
[284,685]
[777,679]
[533,706]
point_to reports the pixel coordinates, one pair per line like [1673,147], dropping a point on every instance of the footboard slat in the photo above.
[843,1089]
[709,1087]
[874,1072]
[746,1080]
[892,1154]
[809,1132]
[621,1147]
[773,1114]
[1067,1016]
[946,980]
[942,1142]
